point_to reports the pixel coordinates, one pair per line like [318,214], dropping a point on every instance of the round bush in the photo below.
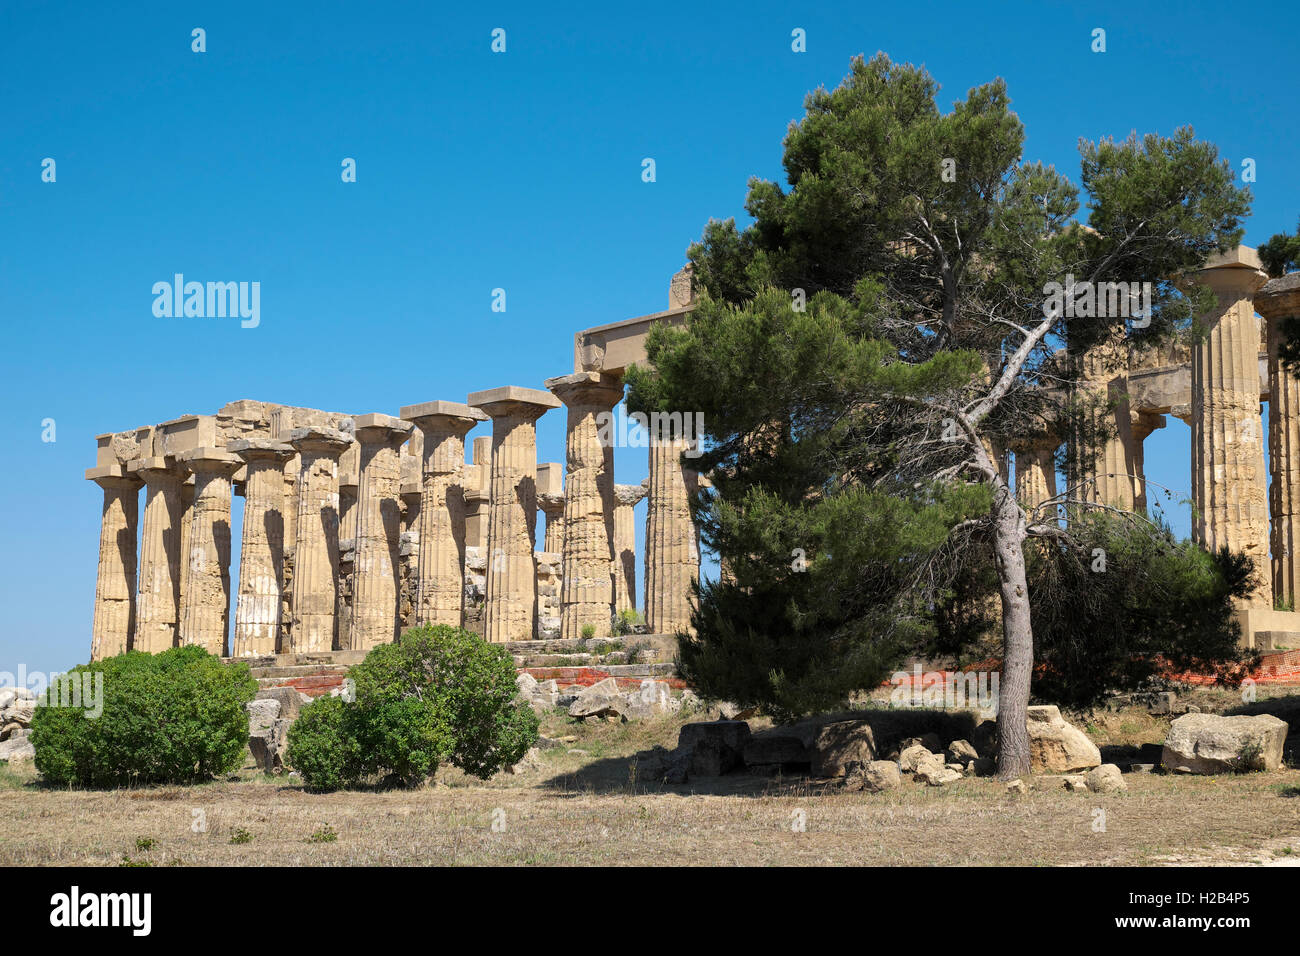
[173,717]
[436,694]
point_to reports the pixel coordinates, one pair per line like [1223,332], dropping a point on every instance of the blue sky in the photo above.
[475,171]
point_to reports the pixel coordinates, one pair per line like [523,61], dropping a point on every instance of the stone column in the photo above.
[379,519]
[588,587]
[1142,424]
[205,605]
[316,551]
[510,603]
[1036,473]
[158,598]
[1109,477]
[258,607]
[114,624]
[1278,300]
[625,499]
[187,523]
[672,559]
[1227,433]
[550,498]
[441,570]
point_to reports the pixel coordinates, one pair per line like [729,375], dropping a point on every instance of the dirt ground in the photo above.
[584,803]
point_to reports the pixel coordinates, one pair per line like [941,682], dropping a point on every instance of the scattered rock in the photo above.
[1162,703]
[838,744]
[291,700]
[598,700]
[1105,779]
[715,746]
[652,699]
[1016,786]
[540,695]
[930,742]
[961,752]
[1209,743]
[1142,768]
[914,756]
[1075,783]
[268,746]
[528,762]
[262,713]
[17,748]
[937,775]
[1056,746]
[730,711]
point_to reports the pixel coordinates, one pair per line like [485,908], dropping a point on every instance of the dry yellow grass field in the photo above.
[585,804]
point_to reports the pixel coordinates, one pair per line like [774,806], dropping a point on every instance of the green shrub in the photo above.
[627,622]
[436,694]
[173,717]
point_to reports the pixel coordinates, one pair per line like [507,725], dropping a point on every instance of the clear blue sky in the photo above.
[476,170]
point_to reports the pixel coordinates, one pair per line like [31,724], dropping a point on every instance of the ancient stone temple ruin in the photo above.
[358,525]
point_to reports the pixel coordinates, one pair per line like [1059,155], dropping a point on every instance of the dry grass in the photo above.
[591,808]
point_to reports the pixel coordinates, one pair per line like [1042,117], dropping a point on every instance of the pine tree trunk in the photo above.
[1017,636]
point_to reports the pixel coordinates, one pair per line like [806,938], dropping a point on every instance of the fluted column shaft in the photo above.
[587,591]
[625,500]
[379,517]
[114,623]
[510,602]
[158,597]
[671,549]
[1108,473]
[205,604]
[258,607]
[1279,299]
[553,507]
[1227,431]
[441,569]
[316,551]
[1035,473]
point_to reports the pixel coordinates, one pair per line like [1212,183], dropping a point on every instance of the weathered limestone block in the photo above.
[841,743]
[588,601]
[1278,300]
[1105,779]
[375,570]
[316,552]
[206,599]
[550,499]
[714,747]
[626,498]
[260,601]
[549,588]
[441,582]
[114,622]
[159,595]
[1227,432]
[873,777]
[1210,744]
[510,607]
[598,700]
[1056,746]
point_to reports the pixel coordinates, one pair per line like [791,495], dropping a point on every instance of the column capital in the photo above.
[211,461]
[512,401]
[1279,298]
[380,429]
[156,467]
[113,476]
[320,440]
[630,494]
[442,415]
[1236,273]
[587,388]
[552,504]
[260,449]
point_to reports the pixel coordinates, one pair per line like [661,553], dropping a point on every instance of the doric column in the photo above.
[187,523]
[441,568]
[158,598]
[1142,424]
[550,498]
[379,532]
[316,551]
[672,559]
[510,604]
[625,499]
[1279,299]
[1106,474]
[1227,433]
[258,607]
[587,591]
[205,605]
[1035,472]
[114,625]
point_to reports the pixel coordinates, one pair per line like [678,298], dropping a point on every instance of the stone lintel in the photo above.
[440,408]
[551,503]
[630,494]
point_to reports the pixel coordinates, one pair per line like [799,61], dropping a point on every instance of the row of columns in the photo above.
[181,593]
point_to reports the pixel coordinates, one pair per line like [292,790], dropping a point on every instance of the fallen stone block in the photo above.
[716,747]
[1057,746]
[1105,779]
[599,700]
[839,744]
[1210,743]
[290,699]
